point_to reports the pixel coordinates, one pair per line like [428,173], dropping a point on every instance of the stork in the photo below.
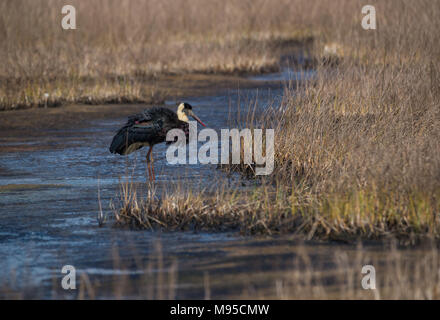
[150,128]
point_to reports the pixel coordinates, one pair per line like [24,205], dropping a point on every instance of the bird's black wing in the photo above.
[152,114]
[131,138]
[139,117]
[148,127]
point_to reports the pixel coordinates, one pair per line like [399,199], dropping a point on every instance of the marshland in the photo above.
[356,115]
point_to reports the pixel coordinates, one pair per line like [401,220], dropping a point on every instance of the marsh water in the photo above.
[49,207]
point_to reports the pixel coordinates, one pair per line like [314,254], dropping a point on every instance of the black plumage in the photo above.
[149,128]
[146,129]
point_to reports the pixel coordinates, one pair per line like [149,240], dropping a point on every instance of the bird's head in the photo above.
[184,110]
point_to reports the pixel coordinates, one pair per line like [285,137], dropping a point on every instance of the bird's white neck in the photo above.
[181,114]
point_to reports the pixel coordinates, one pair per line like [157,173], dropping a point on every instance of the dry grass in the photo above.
[269,210]
[364,139]
[119,47]
[357,149]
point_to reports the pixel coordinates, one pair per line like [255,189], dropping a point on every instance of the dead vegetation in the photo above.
[119,47]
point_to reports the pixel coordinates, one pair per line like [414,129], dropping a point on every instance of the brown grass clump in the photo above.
[268,210]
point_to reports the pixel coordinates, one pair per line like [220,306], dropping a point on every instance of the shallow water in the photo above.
[49,205]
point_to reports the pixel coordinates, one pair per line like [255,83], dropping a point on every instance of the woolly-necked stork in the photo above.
[149,128]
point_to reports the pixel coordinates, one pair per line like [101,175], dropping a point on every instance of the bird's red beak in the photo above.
[198,120]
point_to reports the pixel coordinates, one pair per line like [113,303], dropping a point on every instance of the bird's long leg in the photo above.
[150,175]
[152,164]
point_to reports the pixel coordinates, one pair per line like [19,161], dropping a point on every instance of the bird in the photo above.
[149,128]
